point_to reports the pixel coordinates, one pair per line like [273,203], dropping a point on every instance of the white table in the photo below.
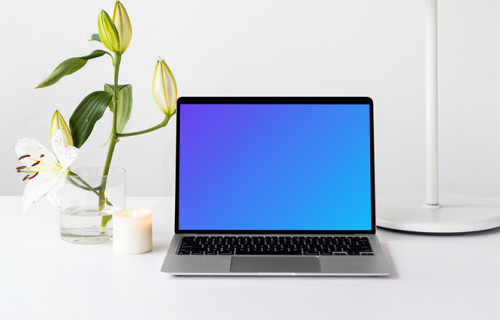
[43,277]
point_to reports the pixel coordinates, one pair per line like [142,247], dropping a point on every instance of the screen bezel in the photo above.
[275,100]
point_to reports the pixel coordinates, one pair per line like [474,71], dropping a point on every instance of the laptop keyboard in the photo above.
[278,245]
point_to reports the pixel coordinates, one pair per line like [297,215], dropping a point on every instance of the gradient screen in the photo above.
[274,167]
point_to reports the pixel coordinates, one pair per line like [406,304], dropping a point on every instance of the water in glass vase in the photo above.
[84,225]
[81,220]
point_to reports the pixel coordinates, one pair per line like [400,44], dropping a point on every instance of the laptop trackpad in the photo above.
[275,264]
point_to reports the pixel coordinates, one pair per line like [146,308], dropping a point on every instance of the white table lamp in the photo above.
[440,213]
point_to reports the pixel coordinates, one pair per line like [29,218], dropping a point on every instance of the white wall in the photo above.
[263,47]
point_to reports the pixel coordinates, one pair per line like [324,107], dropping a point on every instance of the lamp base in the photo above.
[456,214]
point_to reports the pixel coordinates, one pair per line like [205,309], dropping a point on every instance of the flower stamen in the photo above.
[36,163]
[20,168]
[27,176]
[33,175]
[25,156]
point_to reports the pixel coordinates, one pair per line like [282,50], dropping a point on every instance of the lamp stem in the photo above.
[432,199]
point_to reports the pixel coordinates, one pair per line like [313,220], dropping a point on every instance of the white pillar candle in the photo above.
[132,231]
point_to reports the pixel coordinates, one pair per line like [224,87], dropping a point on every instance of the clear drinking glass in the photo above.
[87,211]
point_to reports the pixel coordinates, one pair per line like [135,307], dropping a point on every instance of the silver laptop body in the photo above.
[263,174]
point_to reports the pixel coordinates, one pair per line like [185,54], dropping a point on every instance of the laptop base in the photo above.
[270,265]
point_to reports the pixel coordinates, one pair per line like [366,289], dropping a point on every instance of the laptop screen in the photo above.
[249,165]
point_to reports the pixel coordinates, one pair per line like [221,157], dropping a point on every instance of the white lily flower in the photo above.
[164,88]
[45,171]
[58,123]
[122,23]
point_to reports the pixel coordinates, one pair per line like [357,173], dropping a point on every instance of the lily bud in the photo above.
[122,23]
[164,88]
[107,32]
[58,123]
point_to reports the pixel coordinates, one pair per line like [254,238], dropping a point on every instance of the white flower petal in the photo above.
[54,194]
[158,88]
[164,88]
[46,172]
[34,149]
[58,123]
[169,90]
[38,187]
[65,154]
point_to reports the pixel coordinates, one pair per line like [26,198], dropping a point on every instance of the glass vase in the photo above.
[88,201]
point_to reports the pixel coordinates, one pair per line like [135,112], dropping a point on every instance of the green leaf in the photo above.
[109,89]
[68,67]
[95,37]
[124,106]
[86,115]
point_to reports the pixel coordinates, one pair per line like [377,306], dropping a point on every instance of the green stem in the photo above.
[112,143]
[84,185]
[158,126]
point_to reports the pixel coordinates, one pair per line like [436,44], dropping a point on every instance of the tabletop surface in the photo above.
[43,277]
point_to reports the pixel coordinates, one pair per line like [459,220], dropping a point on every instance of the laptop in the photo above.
[276,186]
